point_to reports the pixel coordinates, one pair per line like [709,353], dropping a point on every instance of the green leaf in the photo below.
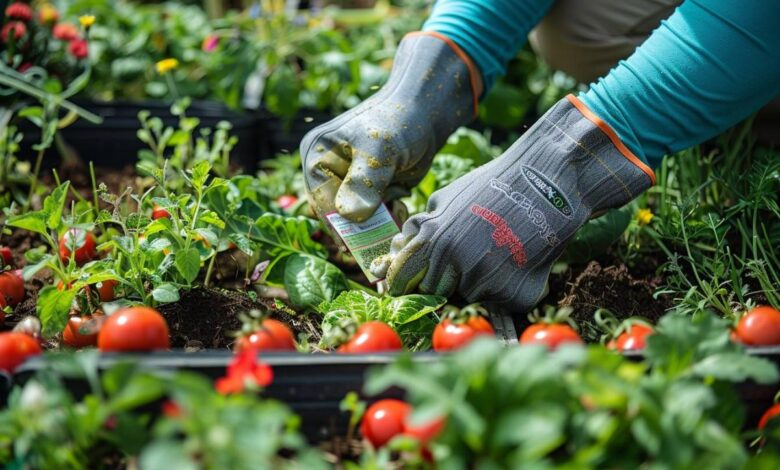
[188,263]
[282,235]
[32,221]
[53,309]
[409,308]
[200,173]
[311,281]
[597,235]
[54,204]
[165,293]
[737,367]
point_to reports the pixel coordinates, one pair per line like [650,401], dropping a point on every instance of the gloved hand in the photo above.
[383,147]
[493,234]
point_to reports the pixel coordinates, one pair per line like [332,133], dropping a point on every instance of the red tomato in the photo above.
[7,257]
[370,337]
[383,421]
[272,335]
[160,213]
[634,339]
[12,287]
[287,201]
[450,335]
[768,415]
[79,241]
[759,327]
[551,335]
[106,290]
[15,348]
[426,432]
[72,335]
[134,329]
[2,306]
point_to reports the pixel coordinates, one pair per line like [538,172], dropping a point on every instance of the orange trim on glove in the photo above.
[591,116]
[474,74]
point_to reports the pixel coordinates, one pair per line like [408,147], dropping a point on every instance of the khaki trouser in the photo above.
[586,38]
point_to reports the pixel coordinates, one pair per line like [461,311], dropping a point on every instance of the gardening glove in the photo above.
[383,147]
[493,234]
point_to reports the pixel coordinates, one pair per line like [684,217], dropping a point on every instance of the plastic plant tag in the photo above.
[366,240]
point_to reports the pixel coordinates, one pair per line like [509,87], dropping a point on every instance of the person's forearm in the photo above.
[489,31]
[710,65]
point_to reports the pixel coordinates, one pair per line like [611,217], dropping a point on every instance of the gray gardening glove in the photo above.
[493,234]
[383,147]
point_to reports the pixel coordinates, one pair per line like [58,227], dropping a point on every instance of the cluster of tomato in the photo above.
[128,329]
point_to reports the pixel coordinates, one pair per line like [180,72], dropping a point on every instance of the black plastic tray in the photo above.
[285,135]
[313,385]
[114,144]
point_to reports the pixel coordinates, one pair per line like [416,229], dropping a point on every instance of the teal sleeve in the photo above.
[490,31]
[710,65]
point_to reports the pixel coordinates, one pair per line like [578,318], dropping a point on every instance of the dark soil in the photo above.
[624,292]
[207,318]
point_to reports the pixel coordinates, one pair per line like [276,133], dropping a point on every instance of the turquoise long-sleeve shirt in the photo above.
[711,64]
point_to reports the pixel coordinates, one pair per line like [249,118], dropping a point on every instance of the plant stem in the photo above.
[34,181]
[209,270]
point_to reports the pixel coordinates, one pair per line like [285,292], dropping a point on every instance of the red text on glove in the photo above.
[502,234]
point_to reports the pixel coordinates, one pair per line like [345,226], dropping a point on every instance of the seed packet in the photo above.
[366,240]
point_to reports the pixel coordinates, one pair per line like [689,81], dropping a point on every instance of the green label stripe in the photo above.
[548,190]
[360,240]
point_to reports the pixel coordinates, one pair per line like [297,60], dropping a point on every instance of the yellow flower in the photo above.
[87,20]
[166,65]
[644,216]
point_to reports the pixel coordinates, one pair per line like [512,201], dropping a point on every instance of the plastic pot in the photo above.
[114,144]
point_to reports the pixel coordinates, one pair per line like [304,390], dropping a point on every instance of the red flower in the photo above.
[210,43]
[78,48]
[171,409]
[17,27]
[19,11]
[65,31]
[245,371]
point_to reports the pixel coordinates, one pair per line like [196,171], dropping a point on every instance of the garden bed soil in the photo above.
[207,318]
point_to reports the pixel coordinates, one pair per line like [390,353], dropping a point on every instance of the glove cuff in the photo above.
[612,136]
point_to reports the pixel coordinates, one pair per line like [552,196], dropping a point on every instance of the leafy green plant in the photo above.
[412,316]
[177,150]
[717,221]
[587,407]
[124,418]
[50,222]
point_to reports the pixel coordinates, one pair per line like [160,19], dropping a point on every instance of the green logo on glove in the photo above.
[546,189]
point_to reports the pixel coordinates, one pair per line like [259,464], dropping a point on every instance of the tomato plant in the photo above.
[759,327]
[459,327]
[266,334]
[78,243]
[159,213]
[384,420]
[12,287]
[550,335]
[371,337]
[633,339]
[80,331]
[5,256]
[134,329]
[15,348]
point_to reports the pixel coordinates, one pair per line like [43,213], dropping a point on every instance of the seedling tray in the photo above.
[114,144]
[313,385]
